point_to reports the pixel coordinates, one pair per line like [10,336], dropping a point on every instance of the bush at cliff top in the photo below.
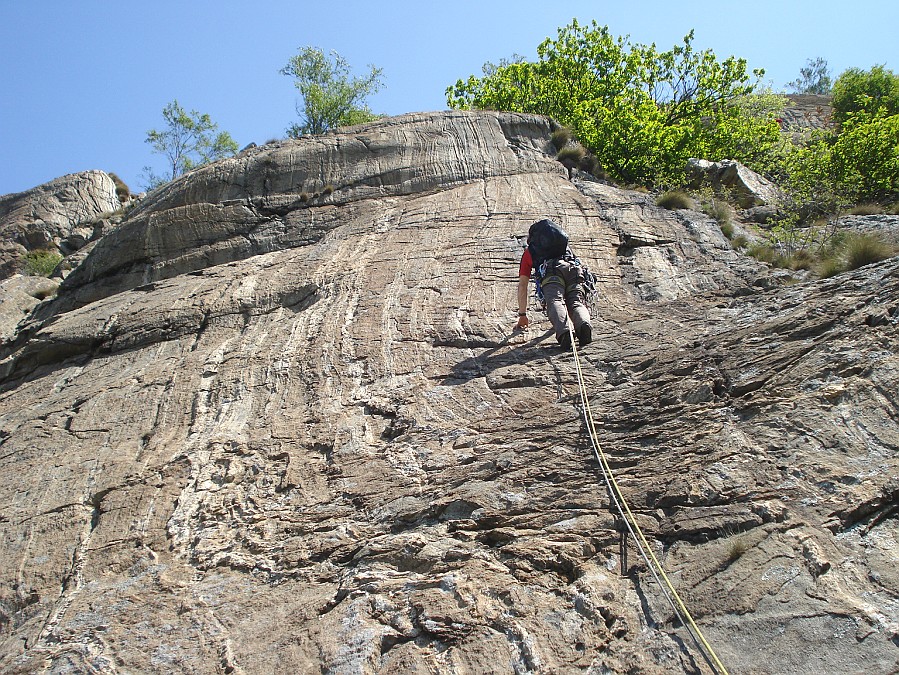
[865,157]
[189,140]
[643,113]
[859,164]
[871,92]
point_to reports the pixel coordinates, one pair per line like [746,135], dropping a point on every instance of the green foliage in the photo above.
[866,210]
[788,246]
[727,229]
[41,263]
[789,236]
[864,249]
[764,252]
[714,204]
[801,260]
[834,243]
[810,184]
[830,267]
[749,132]
[188,141]
[331,97]
[820,247]
[769,254]
[675,199]
[640,111]
[852,250]
[860,163]
[571,156]
[814,78]
[738,242]
[870,92]
[865,156]
[560,137]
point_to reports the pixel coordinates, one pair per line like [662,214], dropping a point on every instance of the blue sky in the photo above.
[83,81]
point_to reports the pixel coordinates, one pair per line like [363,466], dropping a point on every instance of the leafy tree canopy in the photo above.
[331,96]
[641,111]
[814,78]
[866,156]
[872,92]
[188,141]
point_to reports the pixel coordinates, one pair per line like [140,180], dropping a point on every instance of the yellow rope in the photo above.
[631,521]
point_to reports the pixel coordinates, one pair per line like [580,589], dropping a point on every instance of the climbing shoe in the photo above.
[564,340]
[585,334]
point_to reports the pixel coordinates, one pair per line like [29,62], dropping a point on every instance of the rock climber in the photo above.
[561,278]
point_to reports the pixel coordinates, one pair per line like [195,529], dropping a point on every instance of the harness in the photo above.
[547,268]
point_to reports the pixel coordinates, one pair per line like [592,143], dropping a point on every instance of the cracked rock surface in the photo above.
[277,421]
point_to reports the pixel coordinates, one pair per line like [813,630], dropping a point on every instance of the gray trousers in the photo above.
[563,291]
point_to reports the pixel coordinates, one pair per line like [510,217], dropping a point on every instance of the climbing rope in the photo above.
[655,567]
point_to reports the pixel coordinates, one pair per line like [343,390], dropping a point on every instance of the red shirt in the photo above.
[526,264]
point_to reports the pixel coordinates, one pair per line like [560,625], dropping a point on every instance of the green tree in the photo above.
[331,96]
[640,111]
[188,141]
[865,156]
[814,78]
[810,182]
[867,91]
[859,163]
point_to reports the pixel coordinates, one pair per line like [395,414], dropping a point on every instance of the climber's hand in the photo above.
[522,322]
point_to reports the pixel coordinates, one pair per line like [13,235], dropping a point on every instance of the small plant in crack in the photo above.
[736,546]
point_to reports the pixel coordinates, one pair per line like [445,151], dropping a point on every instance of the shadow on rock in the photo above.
[507,364]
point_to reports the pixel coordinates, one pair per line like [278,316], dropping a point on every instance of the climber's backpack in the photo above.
[546,241]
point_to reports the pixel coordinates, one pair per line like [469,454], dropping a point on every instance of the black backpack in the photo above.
[546,241]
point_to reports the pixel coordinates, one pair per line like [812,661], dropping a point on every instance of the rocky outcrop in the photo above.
[883,225]
[57,214]
[278,421]
[747,188]
[807,112]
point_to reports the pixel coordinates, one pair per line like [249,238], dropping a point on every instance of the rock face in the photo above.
[18,296]
[808,112]
[883,226]
[277,421]
[48,215]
